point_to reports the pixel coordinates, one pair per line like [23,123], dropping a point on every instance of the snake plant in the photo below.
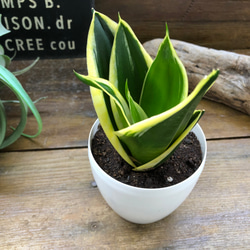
[9,80]
[142,104]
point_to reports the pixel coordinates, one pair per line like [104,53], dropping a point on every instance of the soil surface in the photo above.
[182,164]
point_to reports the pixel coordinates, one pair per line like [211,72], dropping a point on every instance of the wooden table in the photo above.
[46,197]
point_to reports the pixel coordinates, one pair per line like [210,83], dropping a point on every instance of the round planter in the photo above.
[144,205]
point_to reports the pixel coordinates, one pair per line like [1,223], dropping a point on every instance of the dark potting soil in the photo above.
[182,164]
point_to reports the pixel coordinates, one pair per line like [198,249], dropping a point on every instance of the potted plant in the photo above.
[145,111]
[8,79]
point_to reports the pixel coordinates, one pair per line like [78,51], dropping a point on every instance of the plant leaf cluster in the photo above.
[142,104]
[8,79]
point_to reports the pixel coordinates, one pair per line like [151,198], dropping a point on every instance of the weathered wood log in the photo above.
[233,84]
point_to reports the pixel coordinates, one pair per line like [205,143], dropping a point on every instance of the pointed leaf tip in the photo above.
[167,30]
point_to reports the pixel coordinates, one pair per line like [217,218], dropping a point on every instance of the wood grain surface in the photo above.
[218,24]
[47,202]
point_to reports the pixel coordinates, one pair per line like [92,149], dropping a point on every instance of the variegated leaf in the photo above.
[149,138]
[166,83]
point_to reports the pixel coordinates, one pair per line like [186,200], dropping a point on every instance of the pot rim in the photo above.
[178,185]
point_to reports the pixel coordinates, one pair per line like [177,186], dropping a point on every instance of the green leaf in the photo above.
[166,83]
[1,50]
[170,150]
[20,72]
[149,138]
[3,123]
[4,60]
[111,91]
[3,31]
[99,45]
[129,61]
[7,78]
[100,41]
[19,129]
[137,113]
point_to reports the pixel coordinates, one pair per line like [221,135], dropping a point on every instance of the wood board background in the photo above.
[220,24]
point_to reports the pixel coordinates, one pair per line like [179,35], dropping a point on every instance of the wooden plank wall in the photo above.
[222,24]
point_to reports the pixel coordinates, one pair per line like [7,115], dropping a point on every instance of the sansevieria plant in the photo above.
[142,104]
[8,79]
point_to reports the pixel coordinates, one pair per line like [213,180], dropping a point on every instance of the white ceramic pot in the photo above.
[144,205]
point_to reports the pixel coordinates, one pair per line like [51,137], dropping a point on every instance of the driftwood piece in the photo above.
[232,87]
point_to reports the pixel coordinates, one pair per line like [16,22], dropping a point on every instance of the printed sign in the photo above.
[45,28]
